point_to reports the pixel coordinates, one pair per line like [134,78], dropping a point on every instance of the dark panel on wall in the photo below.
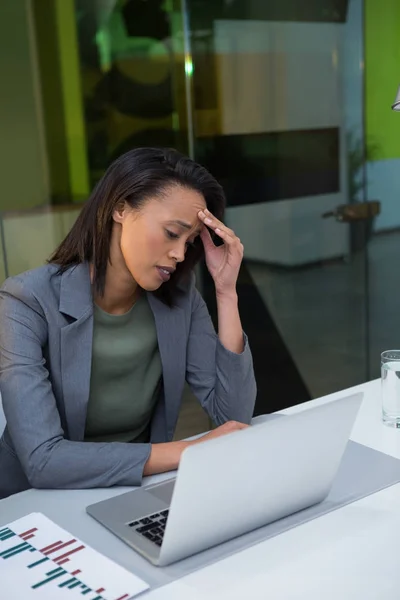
[328,11]
[274,166]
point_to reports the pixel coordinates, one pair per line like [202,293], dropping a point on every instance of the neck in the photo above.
[120,292]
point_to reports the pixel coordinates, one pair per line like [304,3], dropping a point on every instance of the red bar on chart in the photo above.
[28,537]
[76,572]
[22,535]
[68,553]
[61,562]
[123,597]
[100,590]
[59,547]
[51,546]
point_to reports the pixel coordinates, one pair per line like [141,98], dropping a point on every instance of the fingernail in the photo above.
[209,221]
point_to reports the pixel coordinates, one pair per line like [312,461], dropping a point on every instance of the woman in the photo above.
[96,345]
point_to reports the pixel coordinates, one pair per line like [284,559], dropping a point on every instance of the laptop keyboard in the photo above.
[151,527]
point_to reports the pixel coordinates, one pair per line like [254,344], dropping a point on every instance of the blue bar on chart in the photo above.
[16,550]
[51,575]
[87,590]
[38,562]
[6,533]
[68,582]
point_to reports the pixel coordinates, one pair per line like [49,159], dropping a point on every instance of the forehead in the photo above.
[179,203]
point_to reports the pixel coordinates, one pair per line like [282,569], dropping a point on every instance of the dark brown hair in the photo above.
[135,177]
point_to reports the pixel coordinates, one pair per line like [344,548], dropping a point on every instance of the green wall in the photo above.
[382,75]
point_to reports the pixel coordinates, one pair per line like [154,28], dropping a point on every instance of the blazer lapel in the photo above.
[76,347]
[171,334]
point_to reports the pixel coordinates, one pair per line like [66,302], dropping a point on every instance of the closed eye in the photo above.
[174,236]
[171,235]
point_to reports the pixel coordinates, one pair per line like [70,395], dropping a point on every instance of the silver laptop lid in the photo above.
[233,484]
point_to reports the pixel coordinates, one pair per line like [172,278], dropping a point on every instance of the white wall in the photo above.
[30,237]
[280,77]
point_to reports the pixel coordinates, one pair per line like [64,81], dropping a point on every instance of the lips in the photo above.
[165,272]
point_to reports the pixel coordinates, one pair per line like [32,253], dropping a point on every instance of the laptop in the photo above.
[233,484]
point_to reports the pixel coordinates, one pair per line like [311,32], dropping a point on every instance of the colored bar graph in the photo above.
[56,554]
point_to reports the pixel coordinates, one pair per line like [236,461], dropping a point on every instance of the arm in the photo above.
[221,379]
[230,330]
[220,369]
[164,457]
[48,459]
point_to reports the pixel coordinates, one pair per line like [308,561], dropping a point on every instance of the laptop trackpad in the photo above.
[163,491]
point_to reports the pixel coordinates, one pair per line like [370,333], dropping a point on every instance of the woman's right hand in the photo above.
[166,456]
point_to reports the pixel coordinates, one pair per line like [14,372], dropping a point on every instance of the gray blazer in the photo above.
[46,327]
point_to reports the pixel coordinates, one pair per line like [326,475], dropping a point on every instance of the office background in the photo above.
[286,102]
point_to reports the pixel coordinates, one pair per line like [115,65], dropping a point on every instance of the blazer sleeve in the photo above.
[221,380]
[33,421]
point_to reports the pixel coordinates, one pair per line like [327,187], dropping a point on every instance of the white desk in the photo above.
[352,553]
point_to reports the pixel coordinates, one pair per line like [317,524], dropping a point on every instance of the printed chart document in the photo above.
[40,560]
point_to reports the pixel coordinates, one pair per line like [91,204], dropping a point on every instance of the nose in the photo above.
[178,253]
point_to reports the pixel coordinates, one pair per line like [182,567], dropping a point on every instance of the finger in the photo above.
[206,238]
[213,222]
[218,223]
[228,238]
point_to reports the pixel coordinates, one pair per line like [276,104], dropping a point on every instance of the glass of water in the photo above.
[390,378]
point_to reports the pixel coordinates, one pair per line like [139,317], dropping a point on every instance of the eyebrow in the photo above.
[184,225]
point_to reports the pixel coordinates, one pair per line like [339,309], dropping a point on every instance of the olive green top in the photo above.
[125,375]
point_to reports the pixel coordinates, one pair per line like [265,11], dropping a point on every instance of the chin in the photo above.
[150,285]
[151,288]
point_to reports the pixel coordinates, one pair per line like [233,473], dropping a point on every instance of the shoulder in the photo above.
[188,297]
[34,286]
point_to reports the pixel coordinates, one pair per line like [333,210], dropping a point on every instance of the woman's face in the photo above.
[154,238]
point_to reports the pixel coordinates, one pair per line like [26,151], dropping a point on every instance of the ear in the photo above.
[120,212]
